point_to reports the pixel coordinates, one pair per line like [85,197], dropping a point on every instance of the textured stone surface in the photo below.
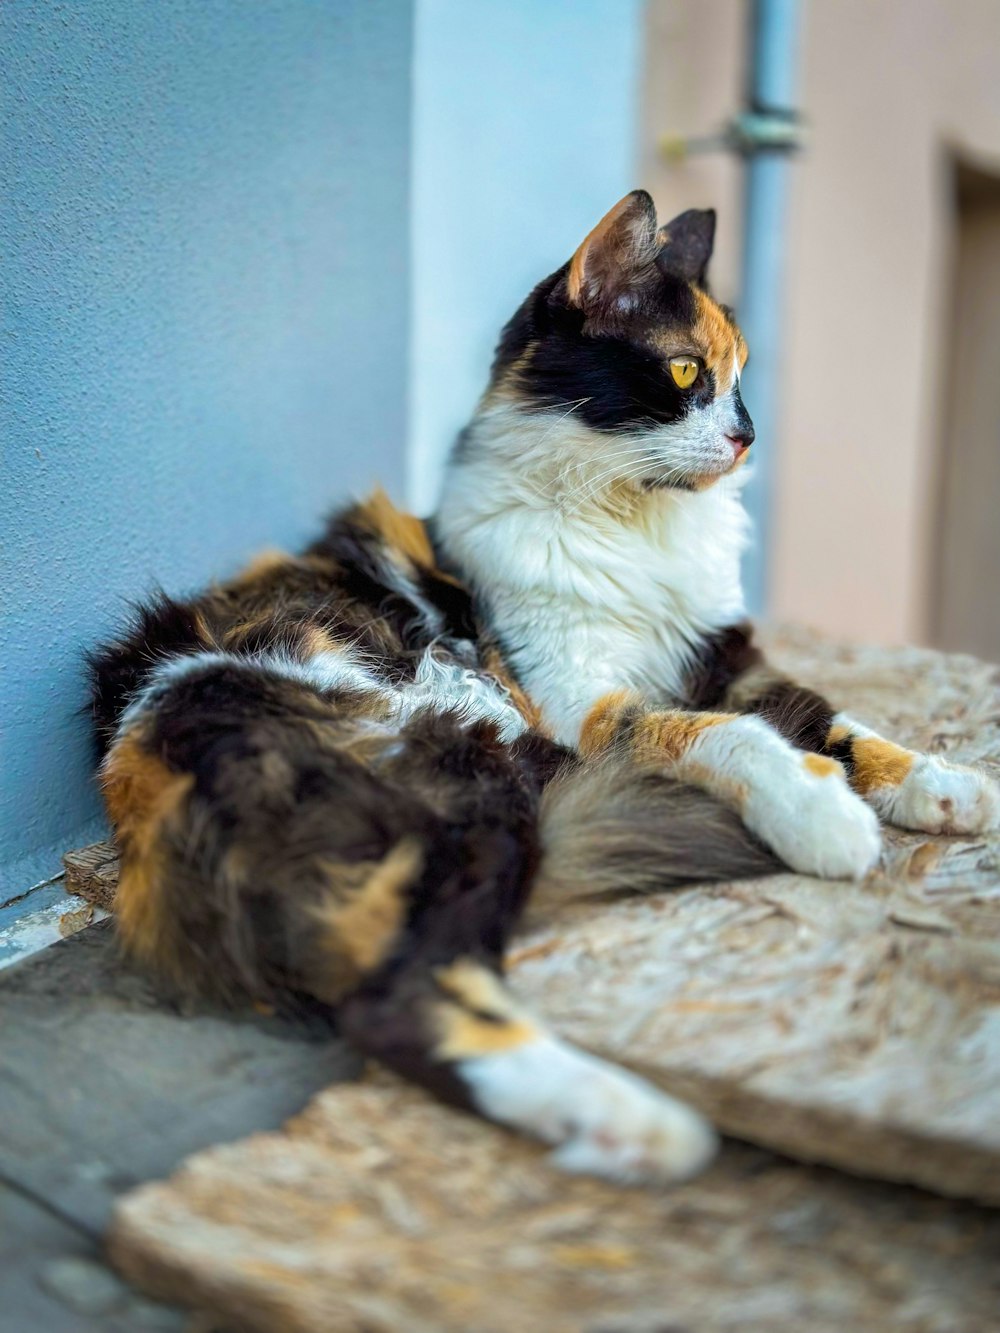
[377,1210]
[53,1279]
[852,1024]
[107,1081]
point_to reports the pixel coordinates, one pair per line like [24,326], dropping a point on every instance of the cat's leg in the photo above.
[439,1011]
[455,1028]
[799,804]
[904,787]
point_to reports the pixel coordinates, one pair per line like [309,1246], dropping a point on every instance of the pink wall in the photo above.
[889,88]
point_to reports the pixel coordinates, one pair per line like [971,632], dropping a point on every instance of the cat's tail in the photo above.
[612,827]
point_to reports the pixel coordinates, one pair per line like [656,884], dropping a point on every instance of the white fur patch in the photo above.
[341,670]
[591,586]
[337,669]
[444,684]
[167,673]
[440,683]
[698,445]
[938,797]
[602,1120]
[814,822]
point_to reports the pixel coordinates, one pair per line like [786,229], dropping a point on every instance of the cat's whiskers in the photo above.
[611,476]
[598,496]
[579,402]
[582,466]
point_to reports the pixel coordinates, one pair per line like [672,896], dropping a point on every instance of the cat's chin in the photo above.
[671,484]
[696,481]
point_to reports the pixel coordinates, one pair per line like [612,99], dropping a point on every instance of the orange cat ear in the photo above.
[607,271]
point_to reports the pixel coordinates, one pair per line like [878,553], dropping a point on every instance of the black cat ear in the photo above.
[686,245]
[608,271]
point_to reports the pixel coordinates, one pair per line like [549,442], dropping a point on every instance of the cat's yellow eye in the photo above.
[684,370]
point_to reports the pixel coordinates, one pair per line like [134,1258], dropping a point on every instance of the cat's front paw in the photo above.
[810,817]
[938,797]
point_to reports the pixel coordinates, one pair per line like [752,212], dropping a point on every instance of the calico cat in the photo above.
[338,777]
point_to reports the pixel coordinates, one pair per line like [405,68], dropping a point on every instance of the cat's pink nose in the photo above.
[741,443]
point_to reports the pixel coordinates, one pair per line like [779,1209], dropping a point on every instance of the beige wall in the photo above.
[965,612]
[888,88]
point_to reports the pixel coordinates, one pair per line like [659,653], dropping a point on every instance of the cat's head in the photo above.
[625,343]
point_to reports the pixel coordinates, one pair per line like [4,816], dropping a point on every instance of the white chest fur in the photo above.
[587,597]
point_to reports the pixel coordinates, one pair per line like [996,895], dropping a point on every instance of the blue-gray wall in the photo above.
[204,235]
[524,135]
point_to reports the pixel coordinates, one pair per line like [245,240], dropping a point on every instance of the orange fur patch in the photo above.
[670,735]
[400,530]
[142,795]
[820,765]
[655,736]
[481,1018]
[367,906]
[601,725]
[719,341]
[878,763]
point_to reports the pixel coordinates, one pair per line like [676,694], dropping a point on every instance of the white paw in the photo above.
[816,824]
[625,1130]
[603,1120]
[938,797]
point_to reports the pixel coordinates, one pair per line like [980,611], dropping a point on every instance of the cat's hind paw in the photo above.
[629,1132]
[939,797]
[601,1120]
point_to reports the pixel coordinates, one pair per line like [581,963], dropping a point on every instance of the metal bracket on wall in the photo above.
[759,130]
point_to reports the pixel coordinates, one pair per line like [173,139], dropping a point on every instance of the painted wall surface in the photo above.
[205,316]
[524,136]
[873,234]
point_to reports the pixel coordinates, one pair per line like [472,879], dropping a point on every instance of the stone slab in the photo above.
[105,1082]
[378,1211]
[53,1279]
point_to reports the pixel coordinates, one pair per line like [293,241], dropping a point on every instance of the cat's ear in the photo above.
[609,270]
[686,245]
